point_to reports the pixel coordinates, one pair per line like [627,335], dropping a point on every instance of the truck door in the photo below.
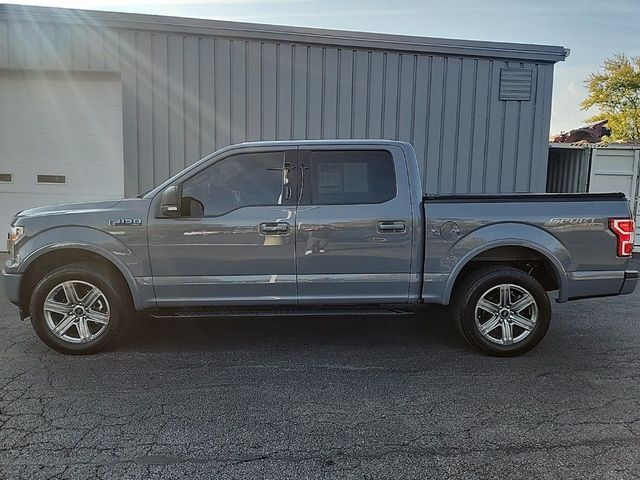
[233,240]
[354,225]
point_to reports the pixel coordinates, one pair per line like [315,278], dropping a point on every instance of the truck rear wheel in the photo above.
[78,308]
[502,311]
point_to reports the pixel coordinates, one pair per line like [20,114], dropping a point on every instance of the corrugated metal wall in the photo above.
[185,95]
[568,169]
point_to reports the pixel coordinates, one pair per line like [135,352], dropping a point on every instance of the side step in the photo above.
[294,311]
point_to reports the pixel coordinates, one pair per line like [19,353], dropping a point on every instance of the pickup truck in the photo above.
[315,228]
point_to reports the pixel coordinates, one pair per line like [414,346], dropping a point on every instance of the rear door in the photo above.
[354,225]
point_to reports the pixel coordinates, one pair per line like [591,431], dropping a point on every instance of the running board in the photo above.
[314,311]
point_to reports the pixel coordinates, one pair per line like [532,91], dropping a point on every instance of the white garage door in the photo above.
[60,140]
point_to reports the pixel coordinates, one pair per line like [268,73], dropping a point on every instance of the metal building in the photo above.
[97,104]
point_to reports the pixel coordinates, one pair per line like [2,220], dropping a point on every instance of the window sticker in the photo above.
[329,177]
[355,177]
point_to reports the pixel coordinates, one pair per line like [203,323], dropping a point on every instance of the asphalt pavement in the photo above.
[388,397]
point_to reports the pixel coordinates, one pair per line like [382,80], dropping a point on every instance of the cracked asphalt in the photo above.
[389,397]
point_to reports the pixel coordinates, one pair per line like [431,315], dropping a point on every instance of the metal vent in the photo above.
[515,83]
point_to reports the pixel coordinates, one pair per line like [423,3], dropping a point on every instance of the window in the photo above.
[6,178]
[51,179]
[244,180]
[352,177]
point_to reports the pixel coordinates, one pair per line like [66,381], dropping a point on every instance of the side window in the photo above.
[243,180]
[352,177]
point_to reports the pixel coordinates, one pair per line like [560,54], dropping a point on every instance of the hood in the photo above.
[68,208]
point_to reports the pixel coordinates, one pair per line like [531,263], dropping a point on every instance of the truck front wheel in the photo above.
[78,308]
[502,311]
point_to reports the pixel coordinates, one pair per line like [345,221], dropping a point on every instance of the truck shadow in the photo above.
[430,326]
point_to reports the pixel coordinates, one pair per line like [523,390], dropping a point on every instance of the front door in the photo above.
[234,240]
[354,226]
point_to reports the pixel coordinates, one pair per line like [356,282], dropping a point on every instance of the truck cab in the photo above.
[302,223]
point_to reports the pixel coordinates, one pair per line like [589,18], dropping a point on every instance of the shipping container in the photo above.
[597,168]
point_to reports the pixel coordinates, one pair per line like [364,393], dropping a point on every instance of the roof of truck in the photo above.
[278,143]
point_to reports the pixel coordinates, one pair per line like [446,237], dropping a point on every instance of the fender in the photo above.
[132,268]
[511,234]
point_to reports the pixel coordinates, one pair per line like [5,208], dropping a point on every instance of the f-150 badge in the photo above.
[116,222]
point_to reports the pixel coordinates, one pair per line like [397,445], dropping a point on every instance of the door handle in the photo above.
[391,226]
[275,228]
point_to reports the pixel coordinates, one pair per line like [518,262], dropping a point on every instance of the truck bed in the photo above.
[568,232]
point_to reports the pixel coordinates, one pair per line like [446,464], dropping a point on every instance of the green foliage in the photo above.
[616,94]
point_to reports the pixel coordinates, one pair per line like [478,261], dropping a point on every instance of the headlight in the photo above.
[15,234]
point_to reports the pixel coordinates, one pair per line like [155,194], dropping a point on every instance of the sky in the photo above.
[592,29]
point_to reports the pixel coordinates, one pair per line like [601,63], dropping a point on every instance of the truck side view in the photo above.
[315,227]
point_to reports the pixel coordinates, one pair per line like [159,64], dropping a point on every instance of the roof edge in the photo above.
[138,21]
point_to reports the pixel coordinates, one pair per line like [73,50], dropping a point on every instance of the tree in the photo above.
[616,94]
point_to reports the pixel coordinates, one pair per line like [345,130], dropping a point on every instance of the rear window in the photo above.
[352,177]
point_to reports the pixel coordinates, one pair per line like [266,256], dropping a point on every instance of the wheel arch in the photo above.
[47,258]
[526,237]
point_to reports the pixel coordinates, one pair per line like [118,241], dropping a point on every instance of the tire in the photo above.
[86,324]
[495,295]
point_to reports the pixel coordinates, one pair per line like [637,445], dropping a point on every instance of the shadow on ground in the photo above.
[431,326]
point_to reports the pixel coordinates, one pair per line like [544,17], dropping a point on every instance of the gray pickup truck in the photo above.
[315,227]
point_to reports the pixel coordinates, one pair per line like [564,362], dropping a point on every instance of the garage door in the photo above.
[618,170]
[60,140]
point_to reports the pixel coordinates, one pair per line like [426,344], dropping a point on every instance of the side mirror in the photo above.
[170,202]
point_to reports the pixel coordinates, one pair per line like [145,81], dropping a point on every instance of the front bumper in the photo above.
[630,282]
[11,286]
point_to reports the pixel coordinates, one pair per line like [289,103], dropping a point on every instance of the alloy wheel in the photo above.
[506,314]
[76,311]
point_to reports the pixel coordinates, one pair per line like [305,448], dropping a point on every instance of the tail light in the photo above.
[624,230]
